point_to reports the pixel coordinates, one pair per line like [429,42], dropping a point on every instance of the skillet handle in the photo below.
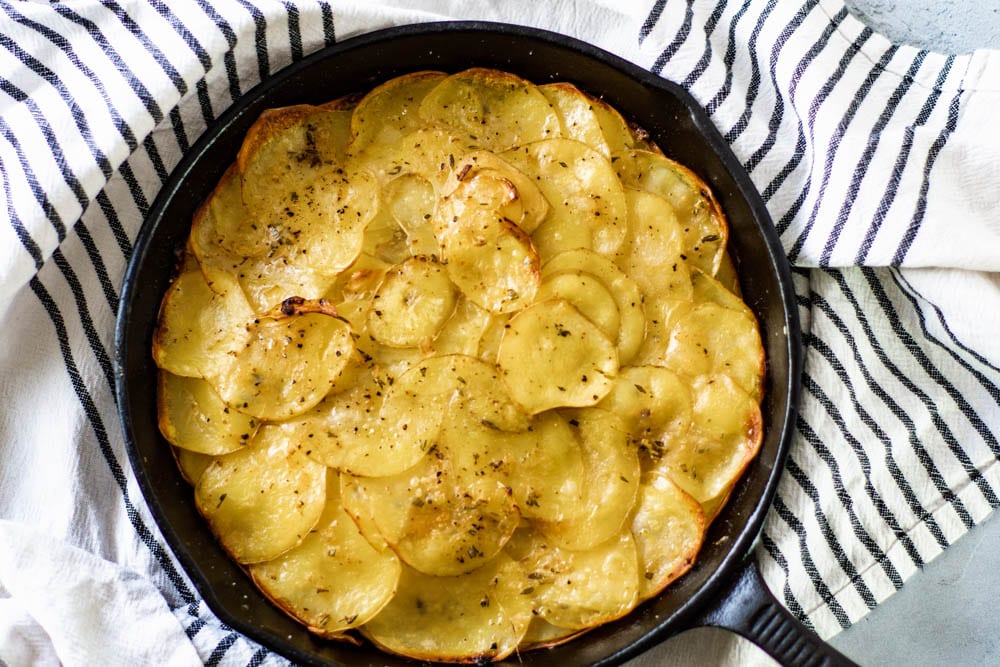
[750,610]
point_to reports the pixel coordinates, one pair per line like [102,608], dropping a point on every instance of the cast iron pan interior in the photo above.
[674,121]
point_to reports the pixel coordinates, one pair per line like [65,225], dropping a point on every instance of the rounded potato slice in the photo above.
[610,482]
[430,152]
[699,214]
[440,517]
[725,434]
[346,430]
[580,589]
[652,256]
[709,338]
[290,362]
[285,148]
[586,198]
[199,329]
[623,290]
[552,356]
[617,133]
[223,228]
[264,499]
[542,634]
[668,526]
[413,302]
[476,617]
[389,111]
[543,465]
[191,464]
[334,580]
[576,115]
[707,288]
[384,239]
[488,257]
[589,296]
[496,110]
[528,206]
[653,402]
[411,200]
[192,416]
[463,330]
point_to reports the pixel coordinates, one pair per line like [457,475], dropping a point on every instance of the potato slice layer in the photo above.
[552,356]
[458,366]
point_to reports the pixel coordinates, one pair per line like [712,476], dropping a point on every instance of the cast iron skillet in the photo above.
[724,588]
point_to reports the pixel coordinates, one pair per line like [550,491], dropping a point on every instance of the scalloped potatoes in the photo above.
[458,366]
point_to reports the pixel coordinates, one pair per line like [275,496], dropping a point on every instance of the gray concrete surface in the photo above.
[958,26]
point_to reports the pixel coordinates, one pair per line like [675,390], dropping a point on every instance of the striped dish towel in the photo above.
[876,162]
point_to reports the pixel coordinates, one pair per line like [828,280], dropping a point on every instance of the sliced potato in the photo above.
[668,526]
[191,464]
[347,431]
[192,416]
[714,290]
[389,112]
[624,290]
[709,338]
[463,330]
[527,206]
[496,110]
[699,214]
[413,302]
[610,483]
[552,356]
[588,294]
[334,580]
[724,437]
[439,517]
[652,256]
[429,152]
[653,402]
[291,361]
[617,133]
[542,634]
[199,330]
[385,239]
[576,114]
[224,229]
[411,200]
[585,196]
[264,499]
[581,589]
[476,617]
[488,257]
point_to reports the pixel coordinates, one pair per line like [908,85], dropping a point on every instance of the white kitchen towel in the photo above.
[878,162]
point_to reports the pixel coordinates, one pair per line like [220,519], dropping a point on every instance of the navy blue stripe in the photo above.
[294,32]
[124,244]
[821,96]
[180,135]
[97,424]
[158,55]
[258,657]
[55,147]
[205,101]
[836,550]
[838,136]
[83,310]
[991,387]
[892,187]
[916,507]
[916,350]
[651,19]
[793,85]
[861,170]
[918,217]
[790,600]
[914,438]
[135,189]
[886,514]
[812,571]
[678,41]
[329,27]
[741,123]
[229,58]
[141,91]
[154,156]
[777,115]
[260,39]
[42,197]
[706,55]
[192,630]
[62,44]
[22,234]
[107,287]
[728,61]
[220,649]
